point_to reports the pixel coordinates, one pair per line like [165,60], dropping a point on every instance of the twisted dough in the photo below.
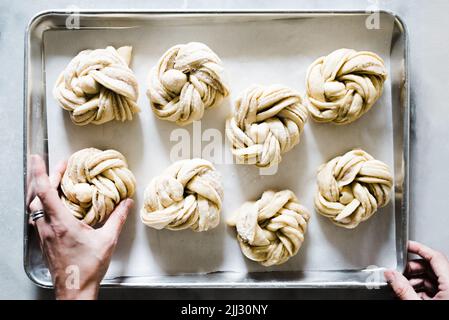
[351,188]
[94,183]
[271,230]
[266,123]
[97,86]
[344,85]
[188,194]
[186,81]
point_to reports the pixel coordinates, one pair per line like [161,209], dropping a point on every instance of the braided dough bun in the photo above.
[351,188]
[267,122]
[186,81]
[344,85]
[97,86]
[271,230]
[94,183]
[188,194]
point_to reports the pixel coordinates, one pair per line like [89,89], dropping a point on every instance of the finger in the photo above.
[419,267]
[39,224]
[423,284]
[45,192]
[35,205]
[424,296]
[437,261]
[400,285]
[55,178]
[41,227]
[113,226]
[416,267]
[31,192]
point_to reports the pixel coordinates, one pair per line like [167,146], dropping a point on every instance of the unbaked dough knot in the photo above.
[97,86]
[266,123]
[94,183]
[343,85]
[271,230]
[188,194]
[352,187]
[186,81]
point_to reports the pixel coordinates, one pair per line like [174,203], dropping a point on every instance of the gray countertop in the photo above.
[429,61]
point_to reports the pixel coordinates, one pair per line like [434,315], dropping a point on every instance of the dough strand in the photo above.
[94,183]
[186,81]
[97,86]
[188,194]
[352,187]
[271,230]
[266,123]
[343,85]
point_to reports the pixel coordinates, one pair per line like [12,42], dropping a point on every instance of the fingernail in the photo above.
[131,202]
[389,276]
[128,203]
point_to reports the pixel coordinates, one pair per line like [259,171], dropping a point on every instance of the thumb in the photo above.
[113,226]
[400,285]
[46,193]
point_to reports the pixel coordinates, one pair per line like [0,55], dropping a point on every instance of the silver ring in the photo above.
[37,214]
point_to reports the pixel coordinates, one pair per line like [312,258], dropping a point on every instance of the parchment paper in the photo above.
[277,51]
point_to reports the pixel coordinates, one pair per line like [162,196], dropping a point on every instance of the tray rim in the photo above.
[401,256]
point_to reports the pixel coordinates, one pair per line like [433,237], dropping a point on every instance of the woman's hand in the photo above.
[426,278]
[77,255]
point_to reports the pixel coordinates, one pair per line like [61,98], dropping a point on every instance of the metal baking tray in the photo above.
[36,142]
